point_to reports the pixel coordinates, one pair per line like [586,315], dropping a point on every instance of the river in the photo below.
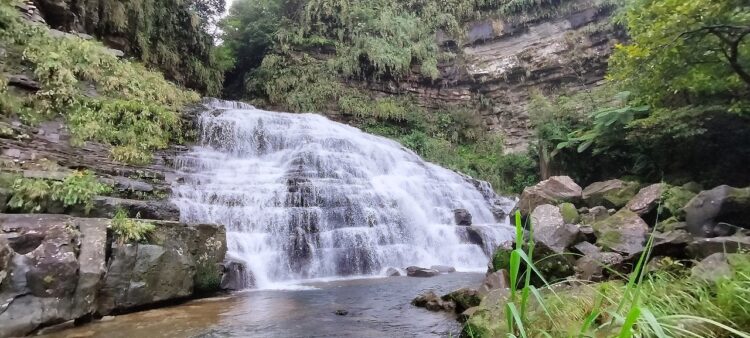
[377,307]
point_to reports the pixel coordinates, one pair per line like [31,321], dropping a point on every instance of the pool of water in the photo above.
[377,307]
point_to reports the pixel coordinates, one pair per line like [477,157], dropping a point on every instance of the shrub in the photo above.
[78,189]
[101,97]
[130,230]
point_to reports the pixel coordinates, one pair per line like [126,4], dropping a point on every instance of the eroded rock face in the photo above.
[622,232]
[557,189]
[723,204]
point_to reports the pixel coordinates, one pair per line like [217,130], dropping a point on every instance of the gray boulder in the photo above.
[550,228]
[555,190]
[443,268]
[597,266]
[611,194]
[594,215]
[622,232]
[646,199]
[414,271]
[723,204]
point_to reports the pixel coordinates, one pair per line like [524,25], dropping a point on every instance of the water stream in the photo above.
[306,197]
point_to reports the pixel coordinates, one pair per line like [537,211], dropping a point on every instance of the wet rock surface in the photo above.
[66,271]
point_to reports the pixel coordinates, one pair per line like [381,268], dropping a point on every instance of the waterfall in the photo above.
[305,197]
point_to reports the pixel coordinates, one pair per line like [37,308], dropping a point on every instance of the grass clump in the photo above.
[661,303]
[36,195]
[130,230]
[102,98]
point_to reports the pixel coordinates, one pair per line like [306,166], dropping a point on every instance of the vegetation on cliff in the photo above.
[171,36]
[676,104]
[100,97]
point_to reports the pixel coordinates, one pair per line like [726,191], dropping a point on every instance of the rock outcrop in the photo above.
[59,268]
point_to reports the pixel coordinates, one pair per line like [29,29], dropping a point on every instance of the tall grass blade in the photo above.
[517,318]
[591,318]
[627,328]
[653,323]
[733,331]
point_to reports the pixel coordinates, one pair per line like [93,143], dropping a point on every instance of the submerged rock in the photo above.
[415,271]
[443,268]
[236,276]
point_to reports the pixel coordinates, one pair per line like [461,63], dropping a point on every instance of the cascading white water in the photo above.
[305,197]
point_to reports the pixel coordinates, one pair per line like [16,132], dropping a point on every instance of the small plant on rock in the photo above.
[130,230]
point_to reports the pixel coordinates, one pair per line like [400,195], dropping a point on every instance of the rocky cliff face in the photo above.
[56,268]
[500,64]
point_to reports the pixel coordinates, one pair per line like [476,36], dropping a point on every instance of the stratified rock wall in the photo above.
[500,64]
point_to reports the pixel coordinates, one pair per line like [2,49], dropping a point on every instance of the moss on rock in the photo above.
[569,213]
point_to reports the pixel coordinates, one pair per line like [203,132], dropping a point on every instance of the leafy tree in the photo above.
[685,52]
[248,35]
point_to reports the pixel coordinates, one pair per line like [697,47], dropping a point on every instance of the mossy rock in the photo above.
[624,232]
[501,256]
[569,213]
[611,194]
[463,299]
[675,199]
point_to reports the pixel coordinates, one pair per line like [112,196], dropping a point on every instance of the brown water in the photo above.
[376,308]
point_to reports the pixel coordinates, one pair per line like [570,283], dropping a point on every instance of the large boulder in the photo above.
[555,190]
[623,232]
[431,301]
[723,204]
[551,229]
[611,194]
[646,199]
[675,199]
[415,271]
[443,268]
[60,270]
[55,275]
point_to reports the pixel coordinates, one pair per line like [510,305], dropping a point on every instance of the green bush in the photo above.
[130,230]
[78,189]
[101,97]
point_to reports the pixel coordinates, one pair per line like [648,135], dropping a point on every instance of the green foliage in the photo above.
[130,230]
[207,277]
[102,98]
[685,52]
[78,189]
[664,303]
